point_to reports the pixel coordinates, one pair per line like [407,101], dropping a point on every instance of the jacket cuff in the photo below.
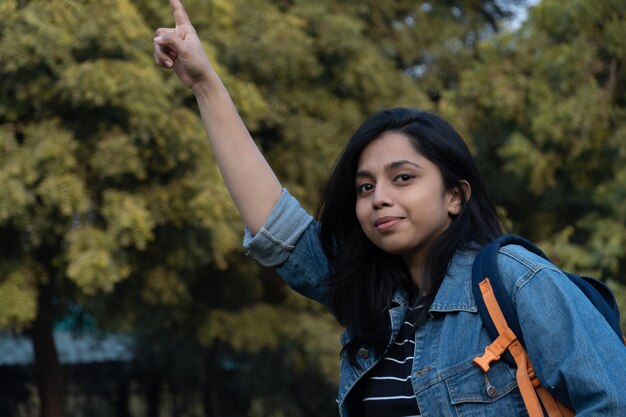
[278,236]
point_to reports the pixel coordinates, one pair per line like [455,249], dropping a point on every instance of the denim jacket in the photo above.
[569,343]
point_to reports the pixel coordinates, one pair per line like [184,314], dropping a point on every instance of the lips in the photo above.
[387,222]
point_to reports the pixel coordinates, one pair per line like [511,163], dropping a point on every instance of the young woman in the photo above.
[403,215]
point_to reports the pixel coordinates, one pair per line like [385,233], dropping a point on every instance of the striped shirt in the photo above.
[387,391]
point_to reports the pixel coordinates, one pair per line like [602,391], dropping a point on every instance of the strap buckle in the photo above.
[495,350]
[487,357]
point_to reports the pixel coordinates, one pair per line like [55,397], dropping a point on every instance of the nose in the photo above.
[381,198]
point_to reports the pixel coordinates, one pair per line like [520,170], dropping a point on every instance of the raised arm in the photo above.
[249,178]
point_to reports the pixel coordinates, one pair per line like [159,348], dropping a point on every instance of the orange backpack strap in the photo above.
[552,406]
[527,382]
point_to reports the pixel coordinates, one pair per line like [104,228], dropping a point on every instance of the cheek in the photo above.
[362,214]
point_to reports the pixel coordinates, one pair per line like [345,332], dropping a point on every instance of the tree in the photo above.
[95,179]
[545,107]
[109,198]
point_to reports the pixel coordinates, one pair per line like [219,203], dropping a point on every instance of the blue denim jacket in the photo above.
[569,343]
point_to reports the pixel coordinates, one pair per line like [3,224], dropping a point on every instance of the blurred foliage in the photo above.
[109,192]
[546,109]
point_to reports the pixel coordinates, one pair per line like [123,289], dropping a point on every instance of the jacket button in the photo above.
[492,391]
[363,353]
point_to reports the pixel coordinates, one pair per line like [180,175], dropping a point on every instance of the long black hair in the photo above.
[363,277]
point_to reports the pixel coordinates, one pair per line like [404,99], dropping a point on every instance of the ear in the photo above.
[459,195]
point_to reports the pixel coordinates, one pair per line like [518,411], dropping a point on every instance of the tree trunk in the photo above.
[153,396]
[210,398]
[122,399]
[47,368]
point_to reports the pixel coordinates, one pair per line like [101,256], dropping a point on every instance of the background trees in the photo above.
[110,203]
[545,108]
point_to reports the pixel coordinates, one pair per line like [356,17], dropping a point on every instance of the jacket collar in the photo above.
[455,293]
[399,298]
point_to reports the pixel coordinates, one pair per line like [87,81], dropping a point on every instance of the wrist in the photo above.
[206,85]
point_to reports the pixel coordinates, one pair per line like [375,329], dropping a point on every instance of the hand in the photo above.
[180,49]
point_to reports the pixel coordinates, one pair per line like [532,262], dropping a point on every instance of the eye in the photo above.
[403,178]
[363,188]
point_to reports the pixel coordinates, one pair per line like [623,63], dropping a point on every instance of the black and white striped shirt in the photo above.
[387,390]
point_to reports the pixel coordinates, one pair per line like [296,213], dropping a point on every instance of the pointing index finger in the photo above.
[180,15]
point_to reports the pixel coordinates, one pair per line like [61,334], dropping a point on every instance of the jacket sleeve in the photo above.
[289,241]
[571,346]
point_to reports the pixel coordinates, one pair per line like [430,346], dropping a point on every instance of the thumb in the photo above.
[172,40]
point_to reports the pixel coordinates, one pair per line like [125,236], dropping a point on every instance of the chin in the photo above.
[392,249]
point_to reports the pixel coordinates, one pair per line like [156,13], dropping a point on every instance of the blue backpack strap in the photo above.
[486,266]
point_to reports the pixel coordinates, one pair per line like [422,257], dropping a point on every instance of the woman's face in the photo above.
[401,201]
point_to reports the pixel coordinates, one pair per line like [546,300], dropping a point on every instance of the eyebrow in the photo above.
[388,167]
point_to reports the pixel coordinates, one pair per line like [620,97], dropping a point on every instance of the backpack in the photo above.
[502,324]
